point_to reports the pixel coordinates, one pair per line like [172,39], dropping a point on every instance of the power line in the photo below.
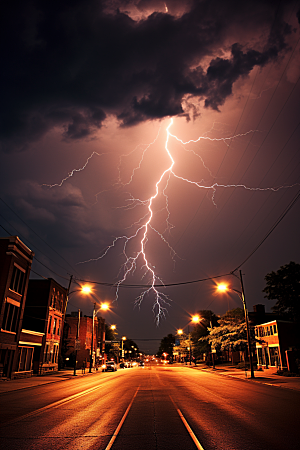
[157,285]
[280,218]
[31,244]
[38,235]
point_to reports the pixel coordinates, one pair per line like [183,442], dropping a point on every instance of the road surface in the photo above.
[152,408]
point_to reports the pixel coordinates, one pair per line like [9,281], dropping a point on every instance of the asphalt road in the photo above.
[156,407]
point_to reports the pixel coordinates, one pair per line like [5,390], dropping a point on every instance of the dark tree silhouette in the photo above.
[284,286]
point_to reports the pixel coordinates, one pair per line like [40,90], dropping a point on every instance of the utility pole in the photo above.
[63,320]
[92,343]
[76,342]
[247,327]
[190,358]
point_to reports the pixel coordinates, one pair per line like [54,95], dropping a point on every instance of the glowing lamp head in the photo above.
[113,327]
[222,287]
[124,338]
[86,289]
[104,306]
[196,318]
[180,331]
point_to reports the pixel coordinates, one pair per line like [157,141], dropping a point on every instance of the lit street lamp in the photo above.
[103,307]
[195,319]
[222,287]
[122,341]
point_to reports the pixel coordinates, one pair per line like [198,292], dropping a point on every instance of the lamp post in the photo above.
[84,290]
[92,342]
[195,319]
[103,307]
[122,341]
[76,342]
[223,288]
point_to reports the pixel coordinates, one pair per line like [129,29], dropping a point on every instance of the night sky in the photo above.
[172,122]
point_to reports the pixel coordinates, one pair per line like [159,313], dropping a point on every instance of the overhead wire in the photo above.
[30,228]
[280,218]
[264,203]
[31,244]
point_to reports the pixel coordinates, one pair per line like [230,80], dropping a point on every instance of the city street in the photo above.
[155,407]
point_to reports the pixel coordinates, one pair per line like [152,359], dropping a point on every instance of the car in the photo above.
[141,364]
[109,366]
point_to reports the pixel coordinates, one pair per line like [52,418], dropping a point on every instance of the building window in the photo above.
[58,328]
[54,325]
[52,298]
[46,354]
[17,280]
[55,353]
[275,329]
[25,359]
[10,317]
[49,324]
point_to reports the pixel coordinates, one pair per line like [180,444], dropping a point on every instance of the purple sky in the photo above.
[89,90]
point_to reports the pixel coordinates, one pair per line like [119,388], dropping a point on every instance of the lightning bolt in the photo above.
[134,260]
[70,174]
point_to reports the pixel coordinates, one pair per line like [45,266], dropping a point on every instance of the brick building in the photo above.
[15,264]
[44,313]
[80,329]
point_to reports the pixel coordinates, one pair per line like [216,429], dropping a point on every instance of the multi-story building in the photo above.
[276,340]
[44,313]
[15,263]
[77,340]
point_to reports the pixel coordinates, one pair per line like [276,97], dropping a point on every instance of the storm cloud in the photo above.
[71,64]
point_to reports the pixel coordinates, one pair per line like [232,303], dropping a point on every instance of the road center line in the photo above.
[121,423]
[191,433]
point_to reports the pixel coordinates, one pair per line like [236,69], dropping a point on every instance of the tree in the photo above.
[208,318]
[284,286]
[231,333]
[166,345]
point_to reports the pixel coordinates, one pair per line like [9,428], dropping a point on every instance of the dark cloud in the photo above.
[69,64]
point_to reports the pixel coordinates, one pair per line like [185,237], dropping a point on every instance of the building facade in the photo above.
[15,264]
[77,340]
[276,338]
[44,313]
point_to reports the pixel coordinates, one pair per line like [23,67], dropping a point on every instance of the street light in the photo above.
[104,306]
[223,287]
[122,340]
[86,289]
[195,319]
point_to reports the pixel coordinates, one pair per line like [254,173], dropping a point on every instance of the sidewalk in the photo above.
[260,376]
[23,383]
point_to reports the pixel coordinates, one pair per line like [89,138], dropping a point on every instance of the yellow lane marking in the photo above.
[191,433]
[121,423]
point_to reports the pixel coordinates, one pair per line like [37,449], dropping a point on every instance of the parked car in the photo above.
[141,364]
[122,365]
[109,366]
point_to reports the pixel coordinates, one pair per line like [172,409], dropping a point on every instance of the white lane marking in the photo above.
[191,433]
[53,405]
[121,423]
